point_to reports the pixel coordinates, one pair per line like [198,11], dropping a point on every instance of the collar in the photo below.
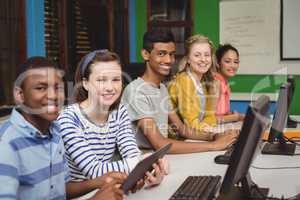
[197,83]
[153,85]
[19,121]
[220,77]
[223,83]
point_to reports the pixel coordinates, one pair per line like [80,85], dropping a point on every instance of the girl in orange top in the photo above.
[227,66]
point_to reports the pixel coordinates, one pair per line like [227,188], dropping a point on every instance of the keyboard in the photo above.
[197,187]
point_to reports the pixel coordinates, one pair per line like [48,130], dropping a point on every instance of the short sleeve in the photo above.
[138,103]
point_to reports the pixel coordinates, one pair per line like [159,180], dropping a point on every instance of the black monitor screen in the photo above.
[291,123]
[291,80]
[276,141]
[254,124]
[280,116]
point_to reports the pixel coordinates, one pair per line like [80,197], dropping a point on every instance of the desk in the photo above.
[281,182]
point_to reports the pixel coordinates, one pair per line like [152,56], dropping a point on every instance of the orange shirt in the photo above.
[223,102]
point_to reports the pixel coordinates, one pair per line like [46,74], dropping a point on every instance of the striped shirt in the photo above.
[32,165]
[90,147]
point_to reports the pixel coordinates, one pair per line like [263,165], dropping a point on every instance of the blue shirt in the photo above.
[32,165]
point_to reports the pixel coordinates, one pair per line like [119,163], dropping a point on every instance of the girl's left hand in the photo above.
[138,186]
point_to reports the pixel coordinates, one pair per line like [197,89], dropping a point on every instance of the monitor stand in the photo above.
[279,149]
[247,190]
[278,145]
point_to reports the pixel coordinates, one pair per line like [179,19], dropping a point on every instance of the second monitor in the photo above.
[254,124]
[276,143]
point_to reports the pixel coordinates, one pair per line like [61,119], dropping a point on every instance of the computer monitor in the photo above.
[237,172]
[291,123]
[276,143]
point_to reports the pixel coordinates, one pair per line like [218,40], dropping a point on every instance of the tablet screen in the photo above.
[143,166]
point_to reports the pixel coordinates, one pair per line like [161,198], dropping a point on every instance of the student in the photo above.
[148,103]
[32,163]
[192,90]
[227,66]
[97,125]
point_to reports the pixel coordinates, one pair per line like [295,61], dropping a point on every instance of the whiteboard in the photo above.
[253,27]
[290,29]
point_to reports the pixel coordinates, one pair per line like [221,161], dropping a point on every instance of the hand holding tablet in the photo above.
[142,167]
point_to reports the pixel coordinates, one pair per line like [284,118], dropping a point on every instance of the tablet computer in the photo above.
[143,166]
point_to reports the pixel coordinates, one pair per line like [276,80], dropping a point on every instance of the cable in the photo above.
[263,196]
[294,142]
[296,139]
[266,168]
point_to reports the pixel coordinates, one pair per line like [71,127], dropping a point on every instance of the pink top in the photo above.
[223,102]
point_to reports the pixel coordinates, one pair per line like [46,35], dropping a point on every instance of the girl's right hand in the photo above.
[225,140]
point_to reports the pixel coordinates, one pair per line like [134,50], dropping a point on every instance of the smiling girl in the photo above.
[227,65]
[97,125]
[192,89]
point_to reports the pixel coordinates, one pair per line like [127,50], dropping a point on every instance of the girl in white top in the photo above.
[98,125]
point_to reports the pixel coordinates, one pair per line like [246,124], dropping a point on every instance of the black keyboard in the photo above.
[197,187]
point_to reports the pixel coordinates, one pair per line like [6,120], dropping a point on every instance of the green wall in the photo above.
[141,26]
[206,22]
[206,19]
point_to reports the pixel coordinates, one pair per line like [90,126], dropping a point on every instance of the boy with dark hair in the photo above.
[149,106]
[32,163]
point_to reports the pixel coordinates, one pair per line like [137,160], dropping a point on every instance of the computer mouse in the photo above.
[222,159]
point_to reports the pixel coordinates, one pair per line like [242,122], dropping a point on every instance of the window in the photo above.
[52,39]
[12,45]
[74,28]
[174,15]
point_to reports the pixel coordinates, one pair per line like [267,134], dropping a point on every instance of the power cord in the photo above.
[267,168]
[263,196]
[291,141]
[296,197]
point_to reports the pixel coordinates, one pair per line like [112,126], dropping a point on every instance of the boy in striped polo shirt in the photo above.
[32,163]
